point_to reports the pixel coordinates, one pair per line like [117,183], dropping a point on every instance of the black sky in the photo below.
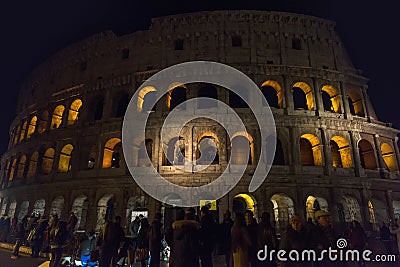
[33,30]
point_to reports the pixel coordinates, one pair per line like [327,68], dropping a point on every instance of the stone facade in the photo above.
[65,143]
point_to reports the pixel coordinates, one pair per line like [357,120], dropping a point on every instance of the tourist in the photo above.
[251,224]
[266,236]
[241,242]
[155,237]
[226,238]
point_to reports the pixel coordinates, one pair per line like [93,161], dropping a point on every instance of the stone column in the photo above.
[356,155]
[396,151]
[288,95]
[364,205]
[318,98]
[389,203]
[365,102]
[295,159]
[345,103]
[327,160]
[381,163]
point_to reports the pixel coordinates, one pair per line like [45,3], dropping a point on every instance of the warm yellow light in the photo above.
[308,92]
[74,112]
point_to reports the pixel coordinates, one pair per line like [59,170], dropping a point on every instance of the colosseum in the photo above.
[332,152]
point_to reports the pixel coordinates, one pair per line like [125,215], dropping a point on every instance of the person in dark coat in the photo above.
[119,237]
[59,237]
[226,238]
[143,238]
[19,239]
[109,241]
[169,236]
[385,235]
[208,234]
[155,237]
[185,245]
[252,228]
[72,221]
[39,236]
[266,236]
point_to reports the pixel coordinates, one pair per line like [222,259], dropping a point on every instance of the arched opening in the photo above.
[310,150]
[64,164]
[377,213]
[331,98]
[12,208]
[47,162]
[73,114]
[356,103]
[32,127]
[235,101]
[389,157]
[243,202]
[57,117]
[136,206]
[207,149]
[21,167]
[91,157]
[95,109]
[4,205]
[313,204]
[279,157]
[121,101]
[23,210]
[44,119]
[341,154]
[242,149]
[176,96]
[80,208]
[33,165]
[207,91]
[272,92]
[367,155]
[112,153]
[12,170]
[145,153]
[302,96]
[147,99]
[17,133]
[39,207]
[283,210]
[175,151]
[350,209]
[105,210]
[23,131]
[57,206]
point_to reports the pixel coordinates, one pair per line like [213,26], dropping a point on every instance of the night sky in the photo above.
[34,30]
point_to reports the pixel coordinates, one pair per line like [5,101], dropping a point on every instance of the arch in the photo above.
[23,210]
[313,204]
[207,148]
[44,119]
[175,150]
[23,131]
[121,101]
[12,170]
[105,210]
[355,103]
[240,143]
[283,210]
[32,127]
[39,207]
[207,90]
[21,167]
[333,99]
[176,95]
[146,99]
[377,213]
[349,210]
[73,114]
[136,205]
[80,208]
[389,157]
[145,151]
[341,154]
[91,157]
[17,133]
[302,96]
[57,206]
[94,111]
[274,97]
[4,205]
[310,150]
[57,117]
[367,155]
[279,157]
[64,163]
[242,202]
[33,165]
[47,162]
[112,153]
[12,208]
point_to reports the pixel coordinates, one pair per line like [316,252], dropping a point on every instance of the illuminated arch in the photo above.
[278,92]
[80,208]
[283,209]
[47,162]
[175,150]
[389,157]
[142,100]
[243,202]
[73,113]
[57,117]
[310,150]
[210,149]
[241,139]
[12,170]
[39,207]
[334,98]
[349,209]
[105,210]
[64,164]
[44,119]
[32,127]
[307,93]
[17,133]
[21,167]
[33,165]
[176,95]
[313,204]
[57,205]
[112,153]
[23,130]
[367,155]
[356,102]
[341,154]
